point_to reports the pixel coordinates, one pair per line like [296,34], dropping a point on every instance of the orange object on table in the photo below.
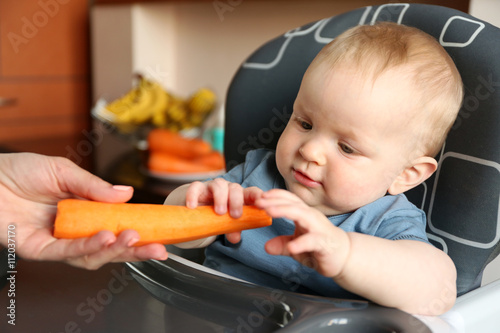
[170,152]
[169,142]
[154,223]
[166,162]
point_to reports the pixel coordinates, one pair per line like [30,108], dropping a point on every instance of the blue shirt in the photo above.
[390,217]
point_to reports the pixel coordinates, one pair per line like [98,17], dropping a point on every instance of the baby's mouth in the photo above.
[304,179]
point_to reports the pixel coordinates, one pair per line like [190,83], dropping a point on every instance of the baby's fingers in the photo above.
[281,194]
[294,246]
[279,198]
[251,195]
[235,200]
[234,237]
[278,245]
[196,192]
[308,242]
[219,188]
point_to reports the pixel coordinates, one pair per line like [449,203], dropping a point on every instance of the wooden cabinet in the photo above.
[44,74]
[462,5]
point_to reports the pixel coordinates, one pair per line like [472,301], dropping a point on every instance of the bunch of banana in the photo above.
[149,102]
[184,114]
[139,104]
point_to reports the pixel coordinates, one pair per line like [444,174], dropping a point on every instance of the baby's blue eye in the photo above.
[346,149]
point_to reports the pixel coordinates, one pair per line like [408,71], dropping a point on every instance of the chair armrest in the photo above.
[480,308]
[475,311]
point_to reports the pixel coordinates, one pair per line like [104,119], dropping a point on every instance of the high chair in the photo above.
[461,199]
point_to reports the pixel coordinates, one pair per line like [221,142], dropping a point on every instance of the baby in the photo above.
[373,108]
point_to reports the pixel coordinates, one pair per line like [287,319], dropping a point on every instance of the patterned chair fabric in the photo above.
[462,198]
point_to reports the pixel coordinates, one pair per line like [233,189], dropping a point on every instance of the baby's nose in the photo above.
[313,152]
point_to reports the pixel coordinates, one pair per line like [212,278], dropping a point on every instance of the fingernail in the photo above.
[163,257]
[122,187]
[236,213]
[220,210]
[132,241]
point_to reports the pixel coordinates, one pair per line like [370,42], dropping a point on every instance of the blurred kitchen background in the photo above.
[58,57]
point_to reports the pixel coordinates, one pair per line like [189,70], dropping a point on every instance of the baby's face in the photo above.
[345,142]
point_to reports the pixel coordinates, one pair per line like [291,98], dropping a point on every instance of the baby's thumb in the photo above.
[278,245]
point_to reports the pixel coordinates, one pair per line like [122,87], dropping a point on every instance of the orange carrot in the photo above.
[154,223]
[214,159]
[169,142]
[165,162]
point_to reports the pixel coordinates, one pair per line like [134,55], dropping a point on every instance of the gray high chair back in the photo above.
[461,199]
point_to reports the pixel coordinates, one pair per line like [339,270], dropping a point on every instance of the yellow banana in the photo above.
[122,104]
[140,111]
[149,102]
[157,104]
[125,108]
[203,101]
[195,120]
[177,111]
[135,106]
[160,119]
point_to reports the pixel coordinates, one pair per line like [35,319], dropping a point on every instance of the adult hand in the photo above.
[30,187]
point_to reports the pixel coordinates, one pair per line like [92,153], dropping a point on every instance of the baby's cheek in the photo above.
[282,161]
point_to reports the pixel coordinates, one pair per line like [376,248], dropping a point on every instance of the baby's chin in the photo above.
[328,209]
[336,208]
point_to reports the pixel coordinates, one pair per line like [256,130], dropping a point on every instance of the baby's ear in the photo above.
[422,168]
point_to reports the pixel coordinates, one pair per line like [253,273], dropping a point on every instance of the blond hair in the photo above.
[374,49]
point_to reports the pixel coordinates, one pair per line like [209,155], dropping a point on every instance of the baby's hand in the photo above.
[225,196]
[316,243]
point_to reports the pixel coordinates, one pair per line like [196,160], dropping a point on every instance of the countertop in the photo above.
[54,297]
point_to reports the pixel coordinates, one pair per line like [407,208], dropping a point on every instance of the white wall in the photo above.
[190,45]
[155,40]
[487,10]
